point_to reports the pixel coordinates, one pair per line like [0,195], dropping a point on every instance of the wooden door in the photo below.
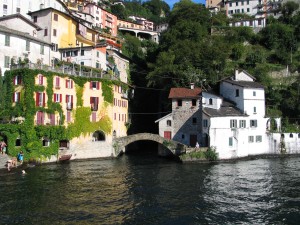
[167,135]
[193,140]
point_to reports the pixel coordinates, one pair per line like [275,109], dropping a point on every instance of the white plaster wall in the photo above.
[28,6]
[220,132]
[251,101]
[292,144]
[251,6]
[217,101]
[228,91]
[242,76]
[84,148]
[162,125]
[17,49]
[19,25]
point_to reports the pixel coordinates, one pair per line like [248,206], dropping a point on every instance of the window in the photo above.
[210,101]
[27,45]
[237,93]
[46,32]
[82,52]
[4,9]
[179,102]
[40,99]
[253,123]
[242,10]
[242,123]
[97,65]
[259,22]
[69,84]
[194,120]
[82,63]
[7,40]
[55,17]
[205,123]
[42,50]
[6,61]
[98,54]
[35,19]
[54,32]
[254,93]
[258,138]
[248,10]
[254,110]
[17,80]
[291,135]
[57,97]
[40,79]
[233,123]
[250,139]
[182,136]
[247,2]
[230,141]
[57,82]
[230,4]
[16,97]
[236,4]
[194,101]
[94,85]
[242,2]
[18,10]
[169,123]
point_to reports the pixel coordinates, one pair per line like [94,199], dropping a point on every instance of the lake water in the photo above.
[145,189]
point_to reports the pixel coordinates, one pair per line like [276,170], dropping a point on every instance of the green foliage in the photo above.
[211,154]
[32,136]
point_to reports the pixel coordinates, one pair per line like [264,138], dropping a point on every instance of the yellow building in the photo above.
[91,110]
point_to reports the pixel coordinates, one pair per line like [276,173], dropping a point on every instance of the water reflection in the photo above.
[144,189]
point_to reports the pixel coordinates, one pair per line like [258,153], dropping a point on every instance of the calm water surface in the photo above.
[145,189]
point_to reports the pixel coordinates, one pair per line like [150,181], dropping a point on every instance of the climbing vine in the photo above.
[31,136]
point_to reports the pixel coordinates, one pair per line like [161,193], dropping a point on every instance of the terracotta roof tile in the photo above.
[185,93]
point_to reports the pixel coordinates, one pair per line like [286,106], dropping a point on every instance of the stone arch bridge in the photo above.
[120,143]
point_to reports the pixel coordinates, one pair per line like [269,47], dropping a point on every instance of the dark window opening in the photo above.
[194,101]
[18,142]
[179,102]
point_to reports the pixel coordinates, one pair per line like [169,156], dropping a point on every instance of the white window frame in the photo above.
[258,138]
[253,123]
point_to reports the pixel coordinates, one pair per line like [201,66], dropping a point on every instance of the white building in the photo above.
[8,7]
[235,122]
[21,43]
[86,56]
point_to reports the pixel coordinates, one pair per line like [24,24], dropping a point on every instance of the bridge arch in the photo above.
[120,143]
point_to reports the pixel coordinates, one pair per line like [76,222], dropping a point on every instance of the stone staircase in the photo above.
[3,160]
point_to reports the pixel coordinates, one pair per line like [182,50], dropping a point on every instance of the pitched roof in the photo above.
[185,93]
[20,16]
[245,84]
[226,109]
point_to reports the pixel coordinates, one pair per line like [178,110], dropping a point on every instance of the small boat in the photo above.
[65,157]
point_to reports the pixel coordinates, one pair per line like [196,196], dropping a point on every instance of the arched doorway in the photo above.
[98,136]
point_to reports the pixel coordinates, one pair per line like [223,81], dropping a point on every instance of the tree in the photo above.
[119,11]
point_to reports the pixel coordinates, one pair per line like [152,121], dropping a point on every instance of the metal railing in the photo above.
[65,69]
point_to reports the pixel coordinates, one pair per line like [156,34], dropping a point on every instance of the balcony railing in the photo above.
[65,69]
[69,105]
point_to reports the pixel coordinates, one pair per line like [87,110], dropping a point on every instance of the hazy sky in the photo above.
[172,2]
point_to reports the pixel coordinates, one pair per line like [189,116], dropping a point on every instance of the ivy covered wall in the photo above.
[31,136]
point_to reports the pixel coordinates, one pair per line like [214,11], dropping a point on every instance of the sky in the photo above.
[172,2]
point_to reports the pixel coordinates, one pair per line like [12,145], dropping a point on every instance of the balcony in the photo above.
[66,69]
[69,105]
[94,107]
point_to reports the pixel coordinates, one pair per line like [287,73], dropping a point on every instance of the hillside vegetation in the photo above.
[190,52]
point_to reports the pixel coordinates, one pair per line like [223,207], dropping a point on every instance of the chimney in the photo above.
[192,86]
[236,74]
